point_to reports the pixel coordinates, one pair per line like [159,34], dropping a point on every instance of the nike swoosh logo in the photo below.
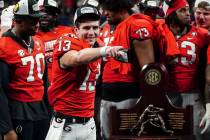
[92,127]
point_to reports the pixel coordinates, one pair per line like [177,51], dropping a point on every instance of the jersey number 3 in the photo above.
[190,56]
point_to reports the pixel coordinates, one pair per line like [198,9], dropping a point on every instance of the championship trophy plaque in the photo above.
[154,117]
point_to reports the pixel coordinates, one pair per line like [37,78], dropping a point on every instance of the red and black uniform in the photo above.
[26,84]
[208,55]
[120,87]
[49,39]
[125,75]
[185,69]
[22,71]
[72,90]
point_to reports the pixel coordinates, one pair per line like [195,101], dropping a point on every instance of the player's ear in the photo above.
[76,29]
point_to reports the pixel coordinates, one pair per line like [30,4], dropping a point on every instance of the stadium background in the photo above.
[68,8]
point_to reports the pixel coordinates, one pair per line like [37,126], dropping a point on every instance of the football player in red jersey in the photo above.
[49,32]
[137,33]
[6,129]
[185,70]
[22,70]
[76,66]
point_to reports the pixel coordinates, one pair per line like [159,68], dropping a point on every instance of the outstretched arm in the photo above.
[75,58]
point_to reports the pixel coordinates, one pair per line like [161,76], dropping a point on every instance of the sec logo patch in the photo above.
[152,77]
[21,53]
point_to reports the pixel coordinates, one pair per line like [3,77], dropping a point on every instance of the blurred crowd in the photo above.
[68,8]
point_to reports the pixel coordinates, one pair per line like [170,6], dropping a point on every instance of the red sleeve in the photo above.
[141,29]
[205,36]
[67,43]
[62,30]
[3,49]
[208,55]
[39,34]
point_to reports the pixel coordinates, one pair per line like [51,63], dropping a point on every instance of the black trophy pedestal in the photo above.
[153,117]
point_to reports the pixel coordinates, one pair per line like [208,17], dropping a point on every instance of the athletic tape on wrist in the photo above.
[103,51]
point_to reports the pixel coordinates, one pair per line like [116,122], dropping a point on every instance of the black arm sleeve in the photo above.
[46,85]
[5,118]
[45,79]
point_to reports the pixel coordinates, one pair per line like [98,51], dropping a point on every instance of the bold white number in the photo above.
[108,40]
[90,80]
[66,47]
[143,33]
[39,58]
[191,52]
[30,59]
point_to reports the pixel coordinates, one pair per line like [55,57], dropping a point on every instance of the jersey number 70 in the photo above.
[31,61]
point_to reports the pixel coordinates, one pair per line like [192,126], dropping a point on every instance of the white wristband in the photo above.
[208,108]
[103,51]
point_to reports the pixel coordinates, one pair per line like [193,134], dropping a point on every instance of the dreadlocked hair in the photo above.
[172,19]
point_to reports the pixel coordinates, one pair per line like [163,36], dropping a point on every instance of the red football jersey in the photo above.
[26,69]
[49,39]
[72,90]
[106,35]
[131,28]
[183,71]
[208,55]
